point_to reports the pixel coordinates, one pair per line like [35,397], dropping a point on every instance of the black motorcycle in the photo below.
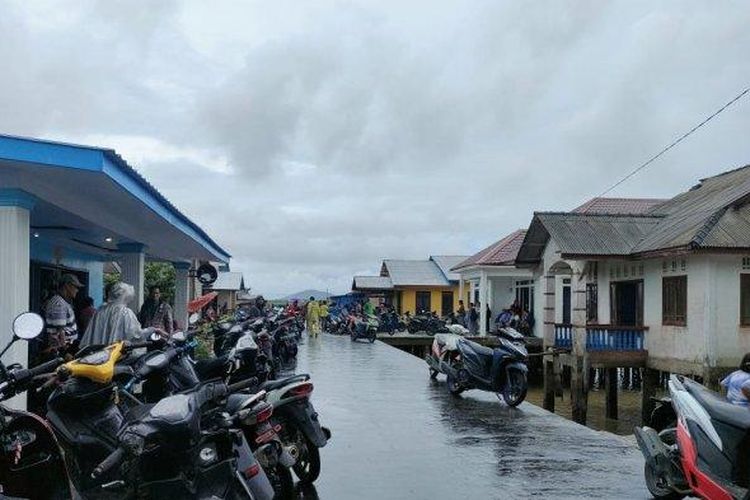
[469,365]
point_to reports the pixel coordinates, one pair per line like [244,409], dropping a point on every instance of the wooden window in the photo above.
[424,302]
[674,300]
[447,305]
[592,303]
[745,299]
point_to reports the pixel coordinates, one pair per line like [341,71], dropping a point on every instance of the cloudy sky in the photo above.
[312,139]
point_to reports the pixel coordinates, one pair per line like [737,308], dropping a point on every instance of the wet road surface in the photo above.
[399,435]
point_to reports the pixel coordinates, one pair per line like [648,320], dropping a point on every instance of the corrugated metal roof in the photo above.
[500,253]
[448,262]
[711,214]
[618,205]
[415,273]
[372,283]
[229,281]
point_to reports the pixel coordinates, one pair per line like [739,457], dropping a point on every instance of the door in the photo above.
[447,305]
[423,302]
[566,305]
[626,303]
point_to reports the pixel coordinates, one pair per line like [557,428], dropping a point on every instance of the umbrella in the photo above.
[201,302]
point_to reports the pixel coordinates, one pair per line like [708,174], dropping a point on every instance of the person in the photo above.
[155,312]
[115,321]
[85,313]
[367,308]
[473,319]
[737,383]
[61,329]
[253,311]
[323,314]
[488,319]
[461,313]
[313,317]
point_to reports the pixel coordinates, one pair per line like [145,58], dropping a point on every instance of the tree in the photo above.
[159,274]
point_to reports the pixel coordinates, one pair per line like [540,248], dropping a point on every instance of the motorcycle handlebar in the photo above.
[24,374]
[112,460]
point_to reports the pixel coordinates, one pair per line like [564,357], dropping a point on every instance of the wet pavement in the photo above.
[399,435]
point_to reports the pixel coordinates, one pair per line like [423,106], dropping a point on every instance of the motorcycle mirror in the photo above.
[193,319]
[28,325]
[179,337]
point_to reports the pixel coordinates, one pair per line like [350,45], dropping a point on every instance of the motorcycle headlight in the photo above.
[207,455]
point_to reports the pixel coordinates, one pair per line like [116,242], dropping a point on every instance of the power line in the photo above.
[675,142]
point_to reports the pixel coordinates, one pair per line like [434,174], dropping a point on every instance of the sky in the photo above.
[313,139]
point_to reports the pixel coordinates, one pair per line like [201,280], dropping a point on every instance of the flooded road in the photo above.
[399,435]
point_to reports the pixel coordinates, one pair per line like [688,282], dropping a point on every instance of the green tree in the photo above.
[159,274]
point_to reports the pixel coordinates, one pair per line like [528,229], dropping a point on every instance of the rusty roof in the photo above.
[501,253]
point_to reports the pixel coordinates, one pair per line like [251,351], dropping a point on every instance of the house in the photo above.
[228,285]
[662,285]
[68,208]
[415,285]
[493,278]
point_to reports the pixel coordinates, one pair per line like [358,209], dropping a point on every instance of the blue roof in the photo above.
[108,162]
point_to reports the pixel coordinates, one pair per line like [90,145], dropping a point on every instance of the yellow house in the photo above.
[415,285]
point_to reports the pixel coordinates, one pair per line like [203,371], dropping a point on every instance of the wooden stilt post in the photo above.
[579,390]
[549,384]
[649,383]
[610,384]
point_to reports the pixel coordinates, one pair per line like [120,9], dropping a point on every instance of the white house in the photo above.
[663,285]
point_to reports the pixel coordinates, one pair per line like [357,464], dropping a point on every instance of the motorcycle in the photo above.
[31,459]
[468,365]
[364,328]
[707,452]
[186,445]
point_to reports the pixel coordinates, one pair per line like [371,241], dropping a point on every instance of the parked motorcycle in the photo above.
[707,453]
[468,365]
[31,460]
[364,328]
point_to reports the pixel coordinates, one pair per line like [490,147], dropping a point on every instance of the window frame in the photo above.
[679,286]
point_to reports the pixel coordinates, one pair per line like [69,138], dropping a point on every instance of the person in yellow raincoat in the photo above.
[313,317]
[323,314]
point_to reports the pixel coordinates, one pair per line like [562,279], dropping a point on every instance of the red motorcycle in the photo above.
[707,452]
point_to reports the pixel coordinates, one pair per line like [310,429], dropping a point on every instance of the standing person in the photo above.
[85,313]
[367,308]
[737,383]
[473,319]
[155,312]
[60,320]
[488,319]
[461,313]
[323,314]
[115,321]
[313,317]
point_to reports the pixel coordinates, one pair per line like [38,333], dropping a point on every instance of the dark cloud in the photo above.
[314,139]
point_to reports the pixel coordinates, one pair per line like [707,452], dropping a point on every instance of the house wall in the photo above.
[409,298]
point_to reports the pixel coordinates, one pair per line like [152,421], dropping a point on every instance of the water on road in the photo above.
[399,435]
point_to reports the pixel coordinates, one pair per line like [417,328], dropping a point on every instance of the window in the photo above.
[674,300]
[423,302]
[745,299]
[447,305]
[592,303]
[525,295]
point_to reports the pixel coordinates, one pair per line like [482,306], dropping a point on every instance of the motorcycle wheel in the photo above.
[656,485]
[373,337]
[433,374]
[454,387]
[307,467]
[515,393]
[282,482]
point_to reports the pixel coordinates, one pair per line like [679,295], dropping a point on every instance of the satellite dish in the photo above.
[206,274]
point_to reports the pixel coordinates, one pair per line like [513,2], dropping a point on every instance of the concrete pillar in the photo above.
[132,261]
[648,390]
[548,286]
[15,217]
[580,377]
[181,293]
[483,303]
[610,384]
[461,290]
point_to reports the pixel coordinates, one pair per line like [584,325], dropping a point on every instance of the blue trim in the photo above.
[182,265]
[107,161]
[11,197]
[131,248]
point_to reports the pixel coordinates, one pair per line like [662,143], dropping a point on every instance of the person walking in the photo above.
[61,329]
[323,314]
[473,319]
[115,321]
[461,313]
[155,312]
[313,317]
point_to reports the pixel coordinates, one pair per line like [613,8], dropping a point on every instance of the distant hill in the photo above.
[306,294]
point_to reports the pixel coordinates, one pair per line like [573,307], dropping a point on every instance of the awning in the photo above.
[201,302]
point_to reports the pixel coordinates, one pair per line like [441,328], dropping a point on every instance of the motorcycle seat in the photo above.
[272,385]
[478,348]
[719,408]
[211,368]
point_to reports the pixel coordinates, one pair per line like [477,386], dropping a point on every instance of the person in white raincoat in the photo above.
[115,321]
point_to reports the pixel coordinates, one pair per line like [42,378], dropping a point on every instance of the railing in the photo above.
[603,337]
[564,336]
[615,338]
